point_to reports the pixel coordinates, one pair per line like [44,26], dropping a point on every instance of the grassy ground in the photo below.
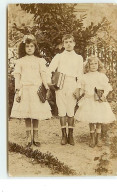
[84,160]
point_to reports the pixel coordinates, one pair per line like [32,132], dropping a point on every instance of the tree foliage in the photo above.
[51,22]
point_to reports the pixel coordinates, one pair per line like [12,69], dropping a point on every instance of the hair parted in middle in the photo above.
[101,67]
[28,39]
[68,36]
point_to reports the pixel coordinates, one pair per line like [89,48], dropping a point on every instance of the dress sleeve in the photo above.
[107,86]
[82,85]
[80,72]
[17,74]
[18,69]
[42,65]
[43,72]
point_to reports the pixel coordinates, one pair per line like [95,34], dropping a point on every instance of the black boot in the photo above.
[70,137]
[64,137]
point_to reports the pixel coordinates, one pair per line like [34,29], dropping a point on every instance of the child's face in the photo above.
[93,65]
[30,48]
[69,44]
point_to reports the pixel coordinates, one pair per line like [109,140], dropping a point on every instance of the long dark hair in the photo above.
[21,50]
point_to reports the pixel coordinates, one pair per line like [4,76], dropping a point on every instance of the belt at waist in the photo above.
[70,78]
[89,96]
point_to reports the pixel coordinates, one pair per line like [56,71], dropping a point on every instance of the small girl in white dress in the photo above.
[30,72]
[91,110]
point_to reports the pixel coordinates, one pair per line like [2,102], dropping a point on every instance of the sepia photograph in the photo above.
[62,89]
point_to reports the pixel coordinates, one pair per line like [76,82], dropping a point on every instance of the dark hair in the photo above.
[101,67]
[68,36]
[29,40]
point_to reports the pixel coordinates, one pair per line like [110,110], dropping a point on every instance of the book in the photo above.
[98,94]
[58,80]
[42,93]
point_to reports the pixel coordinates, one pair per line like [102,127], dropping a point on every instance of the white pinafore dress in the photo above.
[30,106]
[90,110]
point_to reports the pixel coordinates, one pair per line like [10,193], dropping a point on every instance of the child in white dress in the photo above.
[92,110]
[30,72]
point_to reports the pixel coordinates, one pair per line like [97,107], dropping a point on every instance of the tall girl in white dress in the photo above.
[30,72]
[92,111]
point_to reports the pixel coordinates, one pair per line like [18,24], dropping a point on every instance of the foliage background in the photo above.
[94,27]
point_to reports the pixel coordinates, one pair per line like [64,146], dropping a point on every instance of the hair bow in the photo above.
[27,37]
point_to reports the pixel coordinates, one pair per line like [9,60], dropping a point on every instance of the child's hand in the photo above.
[76,93]
[17,97]
[48,94]
[52,86]
[103,99]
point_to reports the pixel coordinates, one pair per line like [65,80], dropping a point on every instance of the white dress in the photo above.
[90,110]
[30,69]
